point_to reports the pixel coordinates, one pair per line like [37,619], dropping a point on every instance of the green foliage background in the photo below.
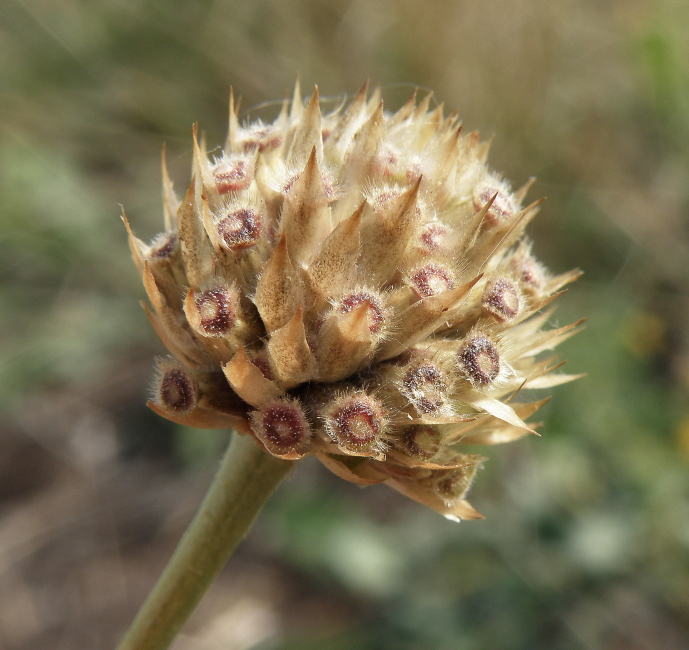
[586,541]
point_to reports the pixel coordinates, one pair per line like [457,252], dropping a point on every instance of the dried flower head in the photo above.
[353,285]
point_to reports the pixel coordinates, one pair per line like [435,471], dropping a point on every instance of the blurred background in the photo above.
[586,541]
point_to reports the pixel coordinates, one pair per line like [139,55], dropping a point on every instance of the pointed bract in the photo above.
[277,293]
[305,219]
[290,356]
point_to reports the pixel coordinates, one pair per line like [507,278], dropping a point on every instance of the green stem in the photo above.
[246,478]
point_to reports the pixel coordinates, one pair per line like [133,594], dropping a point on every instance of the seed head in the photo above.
[355,284]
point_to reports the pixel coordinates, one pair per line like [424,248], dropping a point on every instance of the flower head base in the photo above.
[354,286]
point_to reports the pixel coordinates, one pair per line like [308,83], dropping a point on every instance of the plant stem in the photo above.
[246,478]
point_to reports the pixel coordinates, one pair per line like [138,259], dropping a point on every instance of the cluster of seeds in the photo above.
[354,286]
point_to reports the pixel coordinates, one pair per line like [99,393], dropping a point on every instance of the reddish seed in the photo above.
[282,427]
[216,311]
[356,425]
[163,246]
[433,236]
[383,199]
[240,229]
[430,280]
[453,484]
[425,386]
[290,183]
[421,441]
[412,174]
[530,275]
[330,194]
[261,139]
[479,360]
[501,209]
[328,188]
[376,317]
[385,163]
[178,390]
[263,365]
[381,202]
[232,175]
[530,272]
[501,298]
